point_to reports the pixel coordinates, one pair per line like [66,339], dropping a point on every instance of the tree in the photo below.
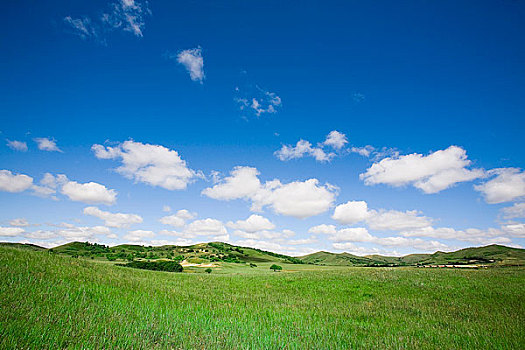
[208,270]
[275,268]
[253,265]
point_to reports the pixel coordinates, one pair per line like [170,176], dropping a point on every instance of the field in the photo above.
[51,301]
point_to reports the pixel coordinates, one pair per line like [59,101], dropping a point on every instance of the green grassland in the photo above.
[54,301]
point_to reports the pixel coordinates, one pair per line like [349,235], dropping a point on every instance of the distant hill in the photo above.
[488,255]
[22,246]
[197,253]
[494,255]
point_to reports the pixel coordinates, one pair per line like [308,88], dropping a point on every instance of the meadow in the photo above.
[51,301]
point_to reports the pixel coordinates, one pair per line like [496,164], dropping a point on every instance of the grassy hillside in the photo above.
[51,301]
[492,255]
[22,246]
[203,252]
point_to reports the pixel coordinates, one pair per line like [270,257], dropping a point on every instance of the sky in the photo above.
[367,127]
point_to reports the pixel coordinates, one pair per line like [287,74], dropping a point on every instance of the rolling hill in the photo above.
[497,255]
[493,255]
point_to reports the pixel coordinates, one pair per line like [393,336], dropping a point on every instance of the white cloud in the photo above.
[323,229]
[21,222]
[166,208]
[336,139]
[507,185]
[516,211]
[431,174]
[301,149]
[193,61]
[178,219]
[364,151]
[277,236]
[257,101]
[48,185]
[397,220]
[361,234]
[82,27]
[91,193]
[351,212]
[10,182]
[17,145]
[473,235]
[154,165]
[514,229]
[243,183]
[45,144]
[252,224]
[207,227]
[299,199]
[139,235]
[128,15]
[113,219]
[84,233]
[10,231]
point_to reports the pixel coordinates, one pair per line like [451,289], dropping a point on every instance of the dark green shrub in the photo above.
[275,268]
[170,266]
[208,270]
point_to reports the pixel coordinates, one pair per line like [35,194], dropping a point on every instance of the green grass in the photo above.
[51,301]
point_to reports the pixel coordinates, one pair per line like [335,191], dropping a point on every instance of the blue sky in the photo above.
[345,126]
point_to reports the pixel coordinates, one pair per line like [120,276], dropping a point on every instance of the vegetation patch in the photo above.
[169,266]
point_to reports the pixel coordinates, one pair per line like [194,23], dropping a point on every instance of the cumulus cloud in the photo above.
[73,233]
[154,165]
[91,193]
[193,61]
[45,144]
[11,231]
[472,235]
[113,219]
[431,174]
[252,224]
[178,219]
[299,199]
[206,227]
[351,212]
[10,182]
[361,234]
[397,220]
[336,139]
[301,149]
[166,208]
[508,184]
[21,222]
[515,211]
[138,235]
[323,229]
[17,145]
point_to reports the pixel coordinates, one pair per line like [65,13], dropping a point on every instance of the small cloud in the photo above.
[45,144]
[257,101]
[193,61]
[126,15]
[81,27]
[17,145]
